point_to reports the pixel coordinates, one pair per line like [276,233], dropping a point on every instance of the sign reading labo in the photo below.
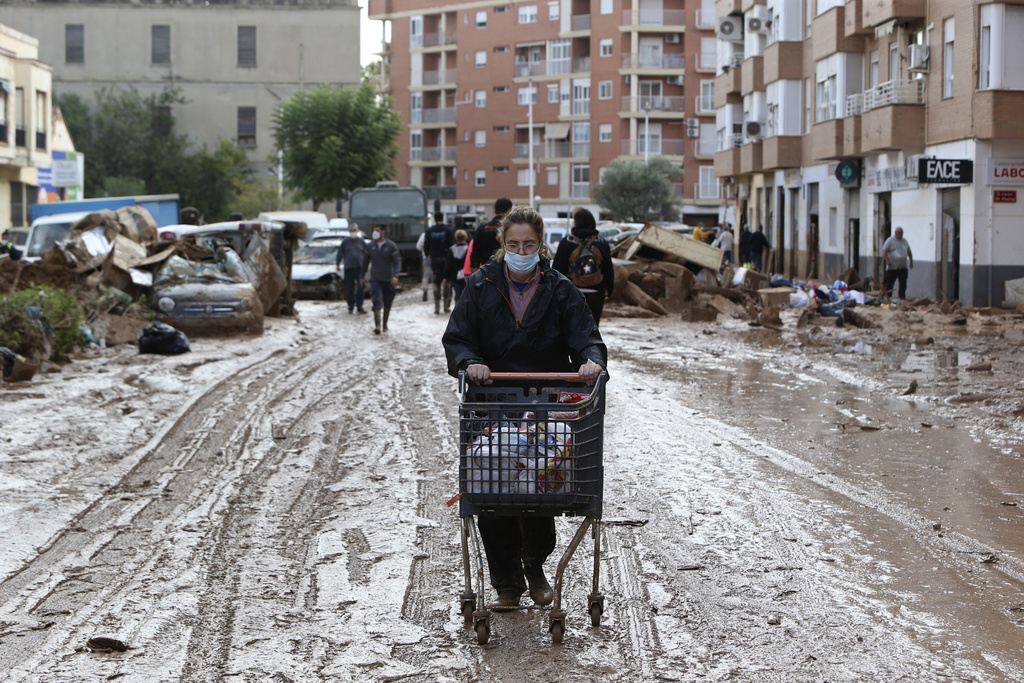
[945,171]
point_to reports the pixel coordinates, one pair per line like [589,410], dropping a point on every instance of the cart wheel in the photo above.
[557,632]
[483,632]
[467,609]
[595,614]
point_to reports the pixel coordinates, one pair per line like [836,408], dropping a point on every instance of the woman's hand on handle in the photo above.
[480,373]
[589,372]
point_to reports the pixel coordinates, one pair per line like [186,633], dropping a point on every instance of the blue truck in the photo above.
[52,222]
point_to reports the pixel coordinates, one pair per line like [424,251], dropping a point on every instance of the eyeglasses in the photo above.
[526,248]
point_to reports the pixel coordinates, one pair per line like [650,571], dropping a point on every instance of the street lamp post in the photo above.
[529,114]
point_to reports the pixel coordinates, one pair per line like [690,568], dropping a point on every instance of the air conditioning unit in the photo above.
[753,129]
[919,58]
[673,38]
[730,28]
[755,25]
[675,80]
[693,128]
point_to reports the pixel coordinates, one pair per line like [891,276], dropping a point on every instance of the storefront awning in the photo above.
[556,131]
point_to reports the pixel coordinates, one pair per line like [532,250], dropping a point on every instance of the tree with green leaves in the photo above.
[636,192]
[336,140]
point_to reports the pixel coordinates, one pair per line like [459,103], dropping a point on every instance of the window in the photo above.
[581,139]
[600,175]
[19,118]
[247,126]
[4,138]
[581,97]
[416,32]
[947,57]
[481,19]
[41,120]
[161,44]
[247,46]
[606,6]
[499,49]
[604,132]
[416,107]
[17,203]
[807,106]
[553,11]
[523,177]
[480,138]
[873,69]
[826,93]
[502,169]
[894,60]
[481,59]
[604,90]
[481,98]
[502,129]
[559,57]
[415,146]
[552,94]
[605,47]
[502,8]
[707,188]
[480,178]
[74,43]
[527,94]
[985,58]
[552,175]
[707,96]
[502,88]
[580,181]
[528,14]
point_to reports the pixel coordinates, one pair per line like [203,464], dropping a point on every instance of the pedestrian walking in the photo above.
[586,259]
[383,263]
[454,275]
[438,239]
[421,243]
[518,314]
[744,255]
[724,241]
[350,259]
[485,240]
[758,245]
[898,259]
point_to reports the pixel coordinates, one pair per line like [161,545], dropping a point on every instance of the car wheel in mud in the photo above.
[595,614]
[557,631]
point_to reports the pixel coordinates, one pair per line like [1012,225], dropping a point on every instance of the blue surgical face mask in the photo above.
[521,265]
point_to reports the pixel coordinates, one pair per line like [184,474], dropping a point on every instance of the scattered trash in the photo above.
[691,568]
[989,559]
[910,390]
[102,644]
[163,339]
[979,367]
[774,621]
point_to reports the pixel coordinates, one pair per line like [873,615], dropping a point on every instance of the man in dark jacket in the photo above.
[584,232]
[758,243]
[744,255]
[383,264]
[351,259]
[485,240]
[435,246]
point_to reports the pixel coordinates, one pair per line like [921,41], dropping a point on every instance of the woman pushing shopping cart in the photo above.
[527,453]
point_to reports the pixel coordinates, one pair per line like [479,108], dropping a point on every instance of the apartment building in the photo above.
[233,61]
[32,133]
[838,122]
[536,98]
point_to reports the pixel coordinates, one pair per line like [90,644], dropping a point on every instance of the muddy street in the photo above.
[274,509]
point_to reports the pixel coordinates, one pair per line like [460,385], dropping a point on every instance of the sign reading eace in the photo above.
[945,171]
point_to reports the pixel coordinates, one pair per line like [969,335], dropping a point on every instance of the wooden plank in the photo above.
[680,246]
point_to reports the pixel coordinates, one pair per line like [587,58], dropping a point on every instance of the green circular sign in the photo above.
[847,171]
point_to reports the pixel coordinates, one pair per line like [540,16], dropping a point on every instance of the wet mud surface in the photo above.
[777,508]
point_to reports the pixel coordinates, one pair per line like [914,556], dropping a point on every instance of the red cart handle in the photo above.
[565,376]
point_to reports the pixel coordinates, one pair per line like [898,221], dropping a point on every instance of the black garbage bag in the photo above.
[8,359]
[834,310]
[164,339]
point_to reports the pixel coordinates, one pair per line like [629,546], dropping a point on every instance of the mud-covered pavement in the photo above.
[274,509]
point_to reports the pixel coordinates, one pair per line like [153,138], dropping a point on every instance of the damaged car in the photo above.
[314,271]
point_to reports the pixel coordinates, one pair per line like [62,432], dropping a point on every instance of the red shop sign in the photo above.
[1005,196]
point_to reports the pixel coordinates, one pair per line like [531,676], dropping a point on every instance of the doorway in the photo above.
[812,230]
[883,228]
[780,234]
[949,245]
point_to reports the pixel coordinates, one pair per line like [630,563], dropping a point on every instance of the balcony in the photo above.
[751,157]
[668,148]
[707,61]
[997,114]
[426,40]
[654,62]
[828,35]
[752,75]
[442,192]
[675,18]
[875,12]
[782,151]
[851,136]
[581,22]
[707,191]
[727,163]
[441,115]
[446,77]
[892,127]
[728,83]
[855,19]
[580,65]
[522,150]
[889,93]
[436,154]
[653,105]
[827,140]
[783,61]
[704,104]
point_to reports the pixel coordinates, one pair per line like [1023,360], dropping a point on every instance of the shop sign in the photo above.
[848,173]
[1005,172]
[891,179]
[945,171]
[1005,197]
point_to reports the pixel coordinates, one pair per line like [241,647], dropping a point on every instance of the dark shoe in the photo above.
[350,311]
[387,312]
[376,322]
[361,311]
[508,598]
[540,589]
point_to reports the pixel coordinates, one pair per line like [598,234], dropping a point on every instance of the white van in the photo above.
[47,231]
[314,220]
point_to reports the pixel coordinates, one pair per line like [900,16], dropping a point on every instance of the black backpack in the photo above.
[585,265]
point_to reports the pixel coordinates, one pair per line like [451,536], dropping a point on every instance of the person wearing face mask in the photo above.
[518,314]
[383,263]
[352,253]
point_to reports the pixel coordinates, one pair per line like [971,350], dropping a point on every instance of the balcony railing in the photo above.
[434,39]
[656,17]
[19,137]
[581,149]
[526,69]
[671,148]
[560,150]
[705,104]
[884,95]
[581,22]
[658,103]
[440,115]
[580,107]
[728,142]
[707,190]
[704,147]
[442,192]
[438,154]
[654,62]
[438,77]
[708,60]
[581,65]
[736,60]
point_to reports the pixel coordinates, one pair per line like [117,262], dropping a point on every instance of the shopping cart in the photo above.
[531,444]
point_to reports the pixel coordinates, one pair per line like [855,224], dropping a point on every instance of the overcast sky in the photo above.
[369,38]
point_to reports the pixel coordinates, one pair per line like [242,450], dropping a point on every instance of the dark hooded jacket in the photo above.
[556,333]
[567,246]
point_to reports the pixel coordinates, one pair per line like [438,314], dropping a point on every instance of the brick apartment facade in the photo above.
[809,90]
[463,74]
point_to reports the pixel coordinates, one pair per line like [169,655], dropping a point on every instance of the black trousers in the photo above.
[595,300]
[891,276]
[511,542]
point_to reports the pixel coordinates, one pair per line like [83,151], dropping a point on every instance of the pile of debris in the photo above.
[661,272]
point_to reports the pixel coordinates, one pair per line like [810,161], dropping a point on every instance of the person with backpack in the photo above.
[438,239]
[454,276]
[585,258]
